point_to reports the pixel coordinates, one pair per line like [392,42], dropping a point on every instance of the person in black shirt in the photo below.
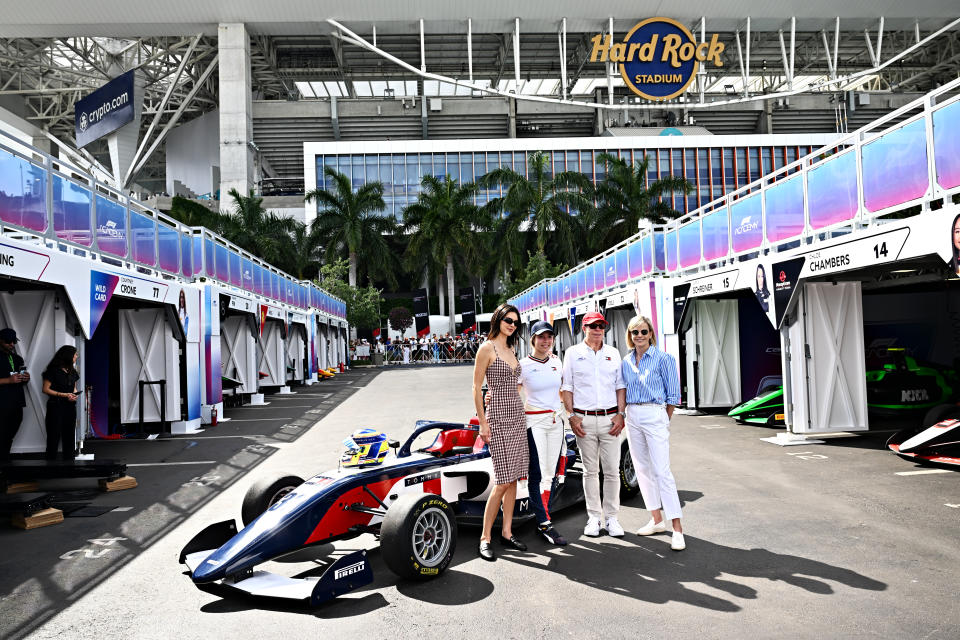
[60,384]
[13,380]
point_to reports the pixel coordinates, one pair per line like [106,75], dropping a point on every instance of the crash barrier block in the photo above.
[39,519]
[22,487]
[121,483]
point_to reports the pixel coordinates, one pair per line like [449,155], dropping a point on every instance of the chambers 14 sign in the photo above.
[105,110]
[658,58]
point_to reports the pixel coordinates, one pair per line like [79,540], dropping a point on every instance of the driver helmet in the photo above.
[365,448]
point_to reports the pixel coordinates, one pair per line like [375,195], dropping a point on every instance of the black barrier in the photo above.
[163,403]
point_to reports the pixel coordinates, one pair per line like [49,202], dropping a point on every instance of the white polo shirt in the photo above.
[541,382]
[592,376]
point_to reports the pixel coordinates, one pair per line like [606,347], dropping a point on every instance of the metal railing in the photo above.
[441,352]
[850,183]
[65,207]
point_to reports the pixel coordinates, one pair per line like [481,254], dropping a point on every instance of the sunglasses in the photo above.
[597,325]
[511,321]
[640,332]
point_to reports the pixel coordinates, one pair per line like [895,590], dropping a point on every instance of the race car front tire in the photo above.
[940,413]
[418,536]
[264,493]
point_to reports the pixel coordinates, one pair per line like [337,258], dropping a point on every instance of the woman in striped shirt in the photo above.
[652,393]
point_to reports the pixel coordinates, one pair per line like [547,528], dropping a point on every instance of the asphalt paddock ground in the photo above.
[795,542]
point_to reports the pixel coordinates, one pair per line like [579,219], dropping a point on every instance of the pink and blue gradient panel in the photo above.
[832,191]
[168,242]
[895,167]
[567,294]
[647,254]
[23,192]
[186,255]
[785,209]
[670,247]
[716,235]
[660,251]
[71,212]
[746,218]
[588,279]
[598,279]
[946,145]
[235,276]
[111,227]
[623,273]
[635,258]
[222,262]
[610,270]
[582,282]
[143,230]
[688,237]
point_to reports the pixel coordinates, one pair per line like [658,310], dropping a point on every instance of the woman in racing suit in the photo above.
[540,376]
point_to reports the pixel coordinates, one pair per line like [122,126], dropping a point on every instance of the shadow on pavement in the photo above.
[648,570]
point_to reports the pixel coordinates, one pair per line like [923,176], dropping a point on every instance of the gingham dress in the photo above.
[508,423]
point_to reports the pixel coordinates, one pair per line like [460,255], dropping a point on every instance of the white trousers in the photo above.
[547,432]
[648,430]
[600,449]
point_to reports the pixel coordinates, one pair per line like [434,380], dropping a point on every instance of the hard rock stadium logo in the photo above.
[658,57]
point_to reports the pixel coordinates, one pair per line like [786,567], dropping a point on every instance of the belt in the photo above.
[647,404]
[600,412]
[539,412]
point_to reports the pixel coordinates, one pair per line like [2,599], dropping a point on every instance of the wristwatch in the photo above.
[622,414]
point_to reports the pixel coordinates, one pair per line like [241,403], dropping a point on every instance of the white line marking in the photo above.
[255,419]
[123,509]
[952,506]
[922,472]
[170,464]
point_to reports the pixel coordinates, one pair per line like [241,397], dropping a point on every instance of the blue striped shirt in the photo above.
[654,380]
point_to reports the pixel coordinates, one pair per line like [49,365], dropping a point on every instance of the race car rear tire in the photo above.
[629,487]
[264,493]
[418,536]
[940,413]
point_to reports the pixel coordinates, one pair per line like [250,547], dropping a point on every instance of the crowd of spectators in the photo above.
[435,348]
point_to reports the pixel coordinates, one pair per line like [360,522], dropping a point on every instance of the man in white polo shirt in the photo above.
[591,378]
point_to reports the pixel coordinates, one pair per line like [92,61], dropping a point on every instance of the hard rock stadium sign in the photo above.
[658,57]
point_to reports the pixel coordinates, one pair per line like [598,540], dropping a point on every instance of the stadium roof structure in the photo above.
[54,52]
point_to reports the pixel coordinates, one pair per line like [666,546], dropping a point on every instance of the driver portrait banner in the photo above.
[786,278]
[421,313]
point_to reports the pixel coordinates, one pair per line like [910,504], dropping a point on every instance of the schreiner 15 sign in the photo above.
[658,57]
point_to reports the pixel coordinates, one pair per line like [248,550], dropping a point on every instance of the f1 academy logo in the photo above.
[658,57]
[746,226]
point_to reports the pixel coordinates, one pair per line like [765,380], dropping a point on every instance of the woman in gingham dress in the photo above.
[503,425]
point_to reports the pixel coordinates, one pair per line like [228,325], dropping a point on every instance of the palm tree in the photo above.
[625,198]
[348,222]
[442,225]
[300,254]
[546,201]
[253,228]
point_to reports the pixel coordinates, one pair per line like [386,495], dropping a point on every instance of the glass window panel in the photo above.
[358,172]
[235,275]
[742,175]
[222,262]
[466,167]
[71,211]
[894,167]
[143,230]
[111,227]
[573,161]
[520,163]
[586,163]
[946,145]
[168,241]
[767,164]
[729,177]
[414,172]
[754,164]
[453,166]
[832,191]
[599,167]
[246,274]
[23,192]
[373,169]
[186,255]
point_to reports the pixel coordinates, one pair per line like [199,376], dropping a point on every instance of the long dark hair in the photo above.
[62,359]
[953,245]
[765,291]
[498,315]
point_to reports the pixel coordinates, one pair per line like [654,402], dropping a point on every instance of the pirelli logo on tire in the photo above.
[658,57]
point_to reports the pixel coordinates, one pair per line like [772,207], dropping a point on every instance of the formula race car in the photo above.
[939,444]
[902,388]
[411,499]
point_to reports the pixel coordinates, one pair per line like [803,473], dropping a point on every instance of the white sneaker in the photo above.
[652,527]
[593,527]
[613,528]
[676,541]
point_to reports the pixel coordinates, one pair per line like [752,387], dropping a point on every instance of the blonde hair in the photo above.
[634,324]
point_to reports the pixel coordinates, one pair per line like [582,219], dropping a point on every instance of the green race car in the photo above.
[902,387]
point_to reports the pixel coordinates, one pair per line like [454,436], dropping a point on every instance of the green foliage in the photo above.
[400,319]
[363,303]
[625,199]
[190,213]
[538,268]
[349,224]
